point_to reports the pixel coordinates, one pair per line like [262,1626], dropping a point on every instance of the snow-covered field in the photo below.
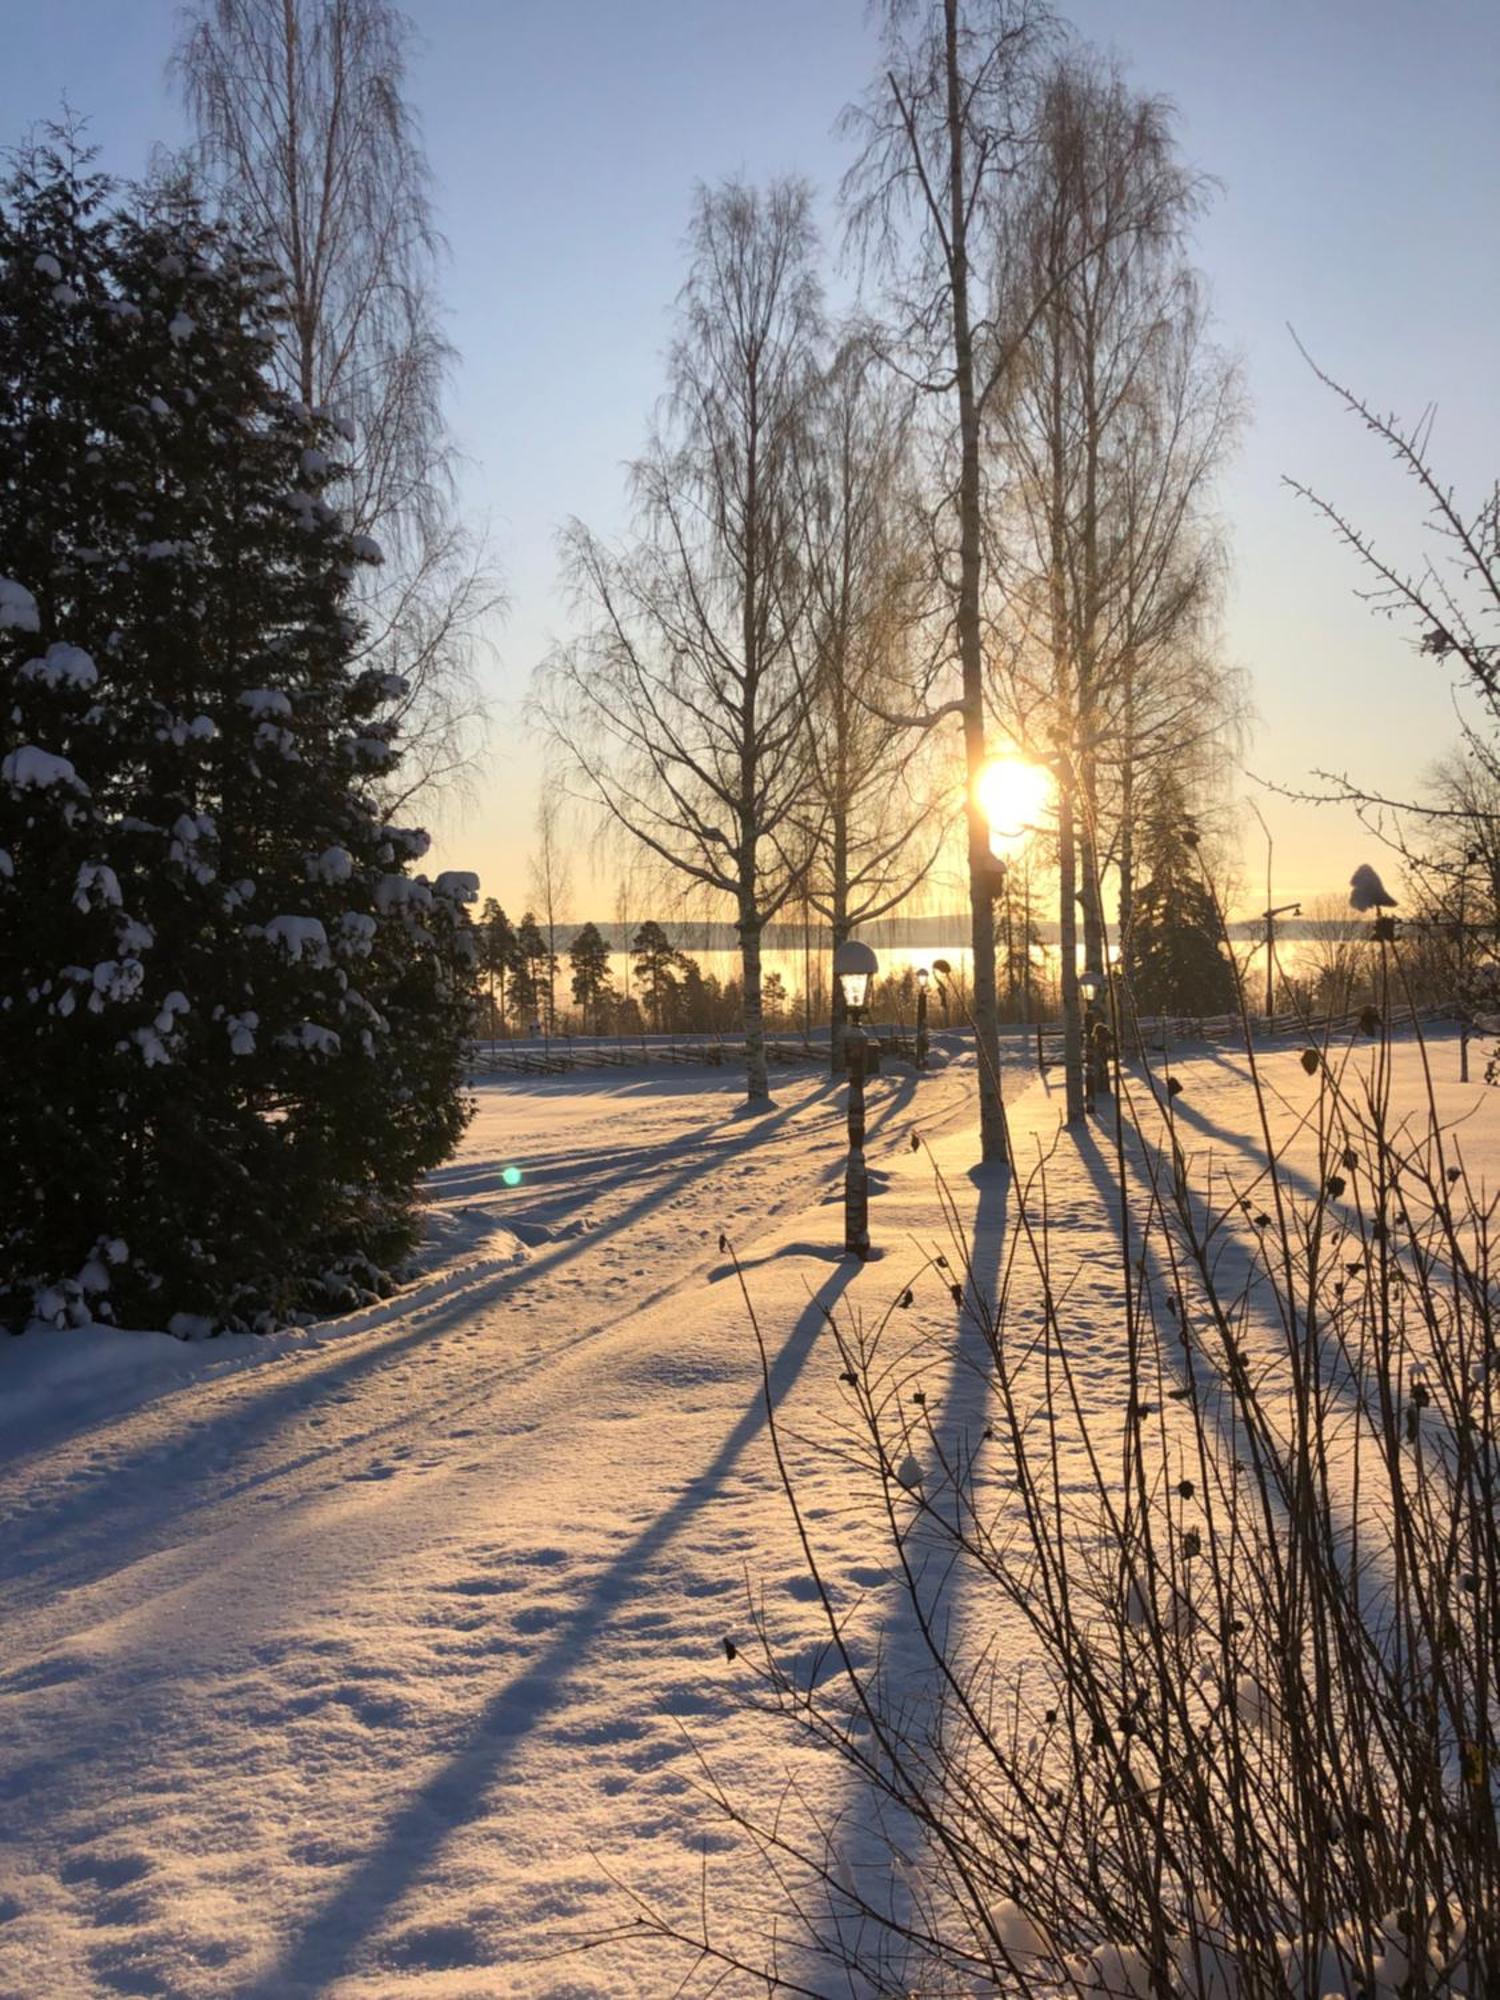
[358,1662]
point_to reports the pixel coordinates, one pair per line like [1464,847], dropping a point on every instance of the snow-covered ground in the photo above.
[359,1662]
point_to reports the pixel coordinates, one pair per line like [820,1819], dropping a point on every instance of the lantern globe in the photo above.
[854,967]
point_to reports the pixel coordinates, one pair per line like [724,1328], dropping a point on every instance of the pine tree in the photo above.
[234,1018]
[656,961]
[589,957]
[536,968]
[1175,963]
[497,953]
[698,996]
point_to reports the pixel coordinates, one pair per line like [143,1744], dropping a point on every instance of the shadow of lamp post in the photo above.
[854,967]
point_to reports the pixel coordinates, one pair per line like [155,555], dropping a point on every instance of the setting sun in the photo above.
[1014,796]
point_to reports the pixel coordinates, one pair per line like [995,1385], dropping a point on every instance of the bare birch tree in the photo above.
[551,886]
[1115,416]
[877,824]
[304,130]
[944,130]
[682,710]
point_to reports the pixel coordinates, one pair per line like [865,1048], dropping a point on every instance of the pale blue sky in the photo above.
[1359,145]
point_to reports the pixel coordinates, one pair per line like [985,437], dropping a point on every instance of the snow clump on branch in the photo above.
[18,610]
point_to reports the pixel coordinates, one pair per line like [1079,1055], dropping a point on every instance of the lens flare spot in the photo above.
[511,1176]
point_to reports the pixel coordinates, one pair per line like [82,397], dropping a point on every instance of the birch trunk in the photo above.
[992,1135]
[757,1077]
[1067,927]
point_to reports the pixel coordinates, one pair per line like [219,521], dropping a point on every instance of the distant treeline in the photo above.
[529,971]
[936,933]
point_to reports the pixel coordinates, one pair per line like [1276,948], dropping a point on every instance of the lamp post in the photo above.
[1268,918]
[1465,997]
[854,967]
[923,976]
[1095,1077]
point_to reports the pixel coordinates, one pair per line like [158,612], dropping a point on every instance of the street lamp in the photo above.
[1096,1077]
[854,967]
[1472,855]
[1268,917]
[923,976]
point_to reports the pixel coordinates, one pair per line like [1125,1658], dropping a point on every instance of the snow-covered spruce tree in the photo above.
[231,1018]
[1174,962]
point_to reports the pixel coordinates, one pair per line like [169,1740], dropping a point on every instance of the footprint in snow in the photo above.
[483,1586]
[803,1588]
[436,1948]
[104,1871]
[538,1618]
[46,1673]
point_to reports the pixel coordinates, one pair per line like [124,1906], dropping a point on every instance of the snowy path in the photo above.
[356,1671]
[293,1657]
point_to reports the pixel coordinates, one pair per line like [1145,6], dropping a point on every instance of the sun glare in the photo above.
[1014,797]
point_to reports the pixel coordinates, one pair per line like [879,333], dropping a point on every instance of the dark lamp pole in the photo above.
[923,976]
[1269,920]
[1095,1075]
[854,967]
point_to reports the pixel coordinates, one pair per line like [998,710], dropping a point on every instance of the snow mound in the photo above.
[63,1379]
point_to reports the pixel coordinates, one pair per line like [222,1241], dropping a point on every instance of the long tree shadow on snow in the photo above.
[227,1436]
[923,1601]
[932,1602]
[552,1175]
[1236,1274]
[1236,1262]
[908,1672]
[455,1795]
